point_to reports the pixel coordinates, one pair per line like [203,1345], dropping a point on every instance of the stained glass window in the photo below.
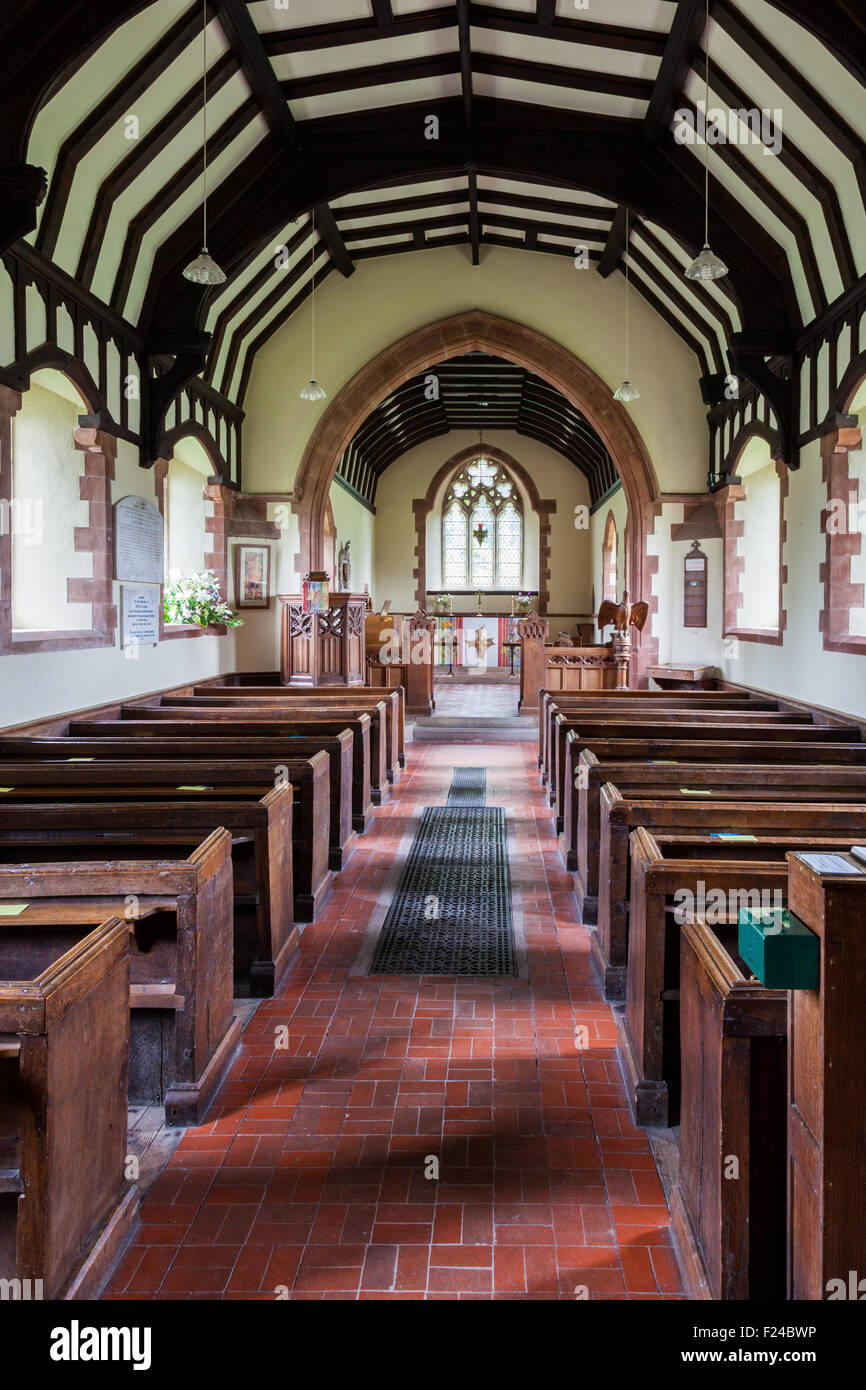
[481,547]
[482,493]
[454,526]
[508,548]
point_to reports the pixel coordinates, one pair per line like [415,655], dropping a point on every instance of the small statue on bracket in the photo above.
[344,568]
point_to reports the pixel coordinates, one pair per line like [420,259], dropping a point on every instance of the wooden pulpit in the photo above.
[325,647]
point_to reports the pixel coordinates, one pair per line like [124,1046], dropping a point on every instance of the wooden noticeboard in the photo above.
[695,588]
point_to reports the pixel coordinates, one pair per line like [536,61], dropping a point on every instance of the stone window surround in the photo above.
[733,564]
[97,475]
[840,594]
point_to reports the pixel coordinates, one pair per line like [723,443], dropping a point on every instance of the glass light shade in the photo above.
[706,266]
[626,392]
[204,270]
[313,392]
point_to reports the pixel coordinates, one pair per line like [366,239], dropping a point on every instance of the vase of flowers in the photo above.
[522,604]
[442,603]
[195,599]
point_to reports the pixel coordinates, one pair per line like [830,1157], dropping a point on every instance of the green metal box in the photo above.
[779,949]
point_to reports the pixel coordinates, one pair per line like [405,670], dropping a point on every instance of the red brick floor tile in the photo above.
[309,1178]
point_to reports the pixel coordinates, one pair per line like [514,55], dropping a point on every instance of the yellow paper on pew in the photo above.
[194,789]
[7,789]
[695,791]
[735,837]
[81,760]
[13,909]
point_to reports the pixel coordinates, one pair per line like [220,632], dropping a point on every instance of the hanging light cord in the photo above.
[204,115]
[626,295]
[313,293]
[706,141]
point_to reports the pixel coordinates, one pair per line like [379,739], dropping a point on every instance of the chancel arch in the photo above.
[483,332]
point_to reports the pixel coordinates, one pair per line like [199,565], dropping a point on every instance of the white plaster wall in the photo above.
[800,667]
[355,523]
[46,468]
[619,506]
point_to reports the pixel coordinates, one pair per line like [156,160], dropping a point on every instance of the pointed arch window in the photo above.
[482,529]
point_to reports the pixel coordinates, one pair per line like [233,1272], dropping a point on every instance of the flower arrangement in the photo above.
[523,603]
[480,533]
[195,598]
[443,603]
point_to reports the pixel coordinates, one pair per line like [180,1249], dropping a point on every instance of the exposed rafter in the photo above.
[244,38]
[465,50]
[474,220]
[475,391]
[686,30]
[615,244]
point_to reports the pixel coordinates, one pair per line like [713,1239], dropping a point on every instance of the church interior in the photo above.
[433,652]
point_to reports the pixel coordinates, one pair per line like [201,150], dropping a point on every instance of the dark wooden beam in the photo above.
[685,32]
[795,86]
[545,11]
[38,51]
[813,179]
[465,50]
[348,31]
[748,173]
[615,244]
[247,44]
[510,140]
[474,220]
[679,299]
[383,13]
[555,75]
[326,226]
[145,150]
[619,37]
[244,40]
[839,25]
[108,113]
[708,301]
[670,319]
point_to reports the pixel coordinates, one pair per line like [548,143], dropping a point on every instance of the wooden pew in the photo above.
[233,758]
[826,1101]
[66,1209]
[589,767]
[742,803]
[280,716]
[136,779]
[261,829]
[166,723]
[179,914]
[324,697]
[636,702]
[675,724]
[665,867]
[733,1110]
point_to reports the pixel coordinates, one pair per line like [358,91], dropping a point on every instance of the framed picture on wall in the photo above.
[253,584]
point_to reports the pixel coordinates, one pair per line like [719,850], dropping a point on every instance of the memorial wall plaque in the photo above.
[138,541]
[139,614]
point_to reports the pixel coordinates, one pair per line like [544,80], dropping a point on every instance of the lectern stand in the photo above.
[324,647]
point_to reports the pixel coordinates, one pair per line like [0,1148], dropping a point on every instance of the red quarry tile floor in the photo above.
[309,1180]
